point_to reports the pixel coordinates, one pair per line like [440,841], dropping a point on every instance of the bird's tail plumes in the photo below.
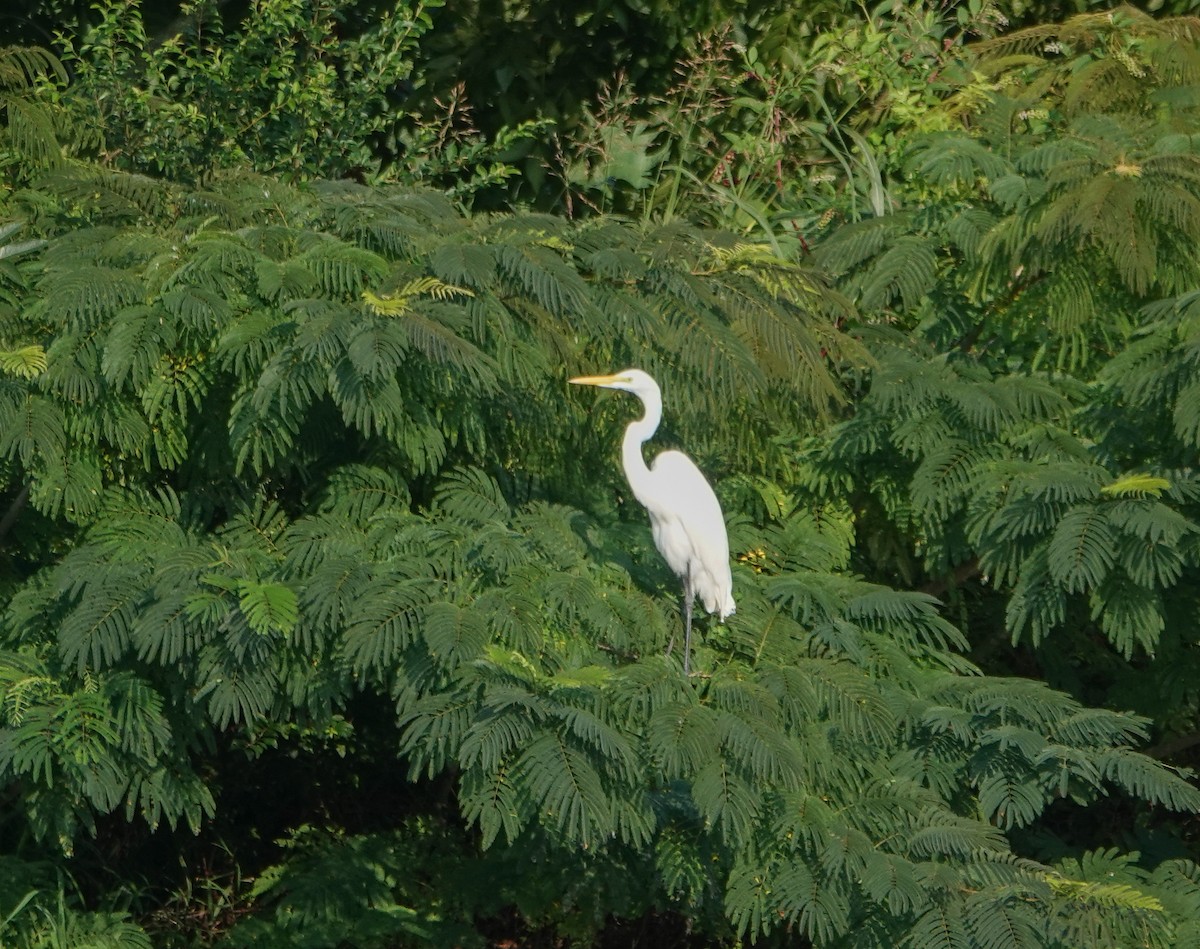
[721,603]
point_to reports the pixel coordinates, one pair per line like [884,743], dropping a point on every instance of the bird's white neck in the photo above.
[636,434]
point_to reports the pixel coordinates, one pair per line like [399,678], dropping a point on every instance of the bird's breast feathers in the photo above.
[689,529]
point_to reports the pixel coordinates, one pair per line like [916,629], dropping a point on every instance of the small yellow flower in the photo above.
[757,559]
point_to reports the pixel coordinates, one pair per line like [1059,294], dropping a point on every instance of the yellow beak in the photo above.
[596,380]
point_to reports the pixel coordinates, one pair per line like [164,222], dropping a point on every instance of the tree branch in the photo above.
[14,509]
[962,573]
[1173,746]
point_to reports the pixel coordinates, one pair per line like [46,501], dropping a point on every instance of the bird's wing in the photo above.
[689,529]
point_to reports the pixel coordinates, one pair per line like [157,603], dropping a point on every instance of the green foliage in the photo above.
[36,912]
[1046,226]
[333,890]
[297,89]
[1031,448]
[306,546]
[1004,472]
[309,445]
[524,57]
[28,127]
[770,139]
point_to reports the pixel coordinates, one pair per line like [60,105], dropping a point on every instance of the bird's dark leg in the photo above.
[688,597]
[683,600]
[686,610]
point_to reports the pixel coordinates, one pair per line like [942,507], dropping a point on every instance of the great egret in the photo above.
[685,516]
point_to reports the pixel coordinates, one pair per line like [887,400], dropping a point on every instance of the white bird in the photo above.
[685,516]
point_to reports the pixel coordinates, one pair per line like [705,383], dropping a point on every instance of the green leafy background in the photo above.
[328,618]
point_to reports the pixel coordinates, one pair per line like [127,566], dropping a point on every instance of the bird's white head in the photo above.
[631,380]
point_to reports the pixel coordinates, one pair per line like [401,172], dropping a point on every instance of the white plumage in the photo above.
[685,516]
